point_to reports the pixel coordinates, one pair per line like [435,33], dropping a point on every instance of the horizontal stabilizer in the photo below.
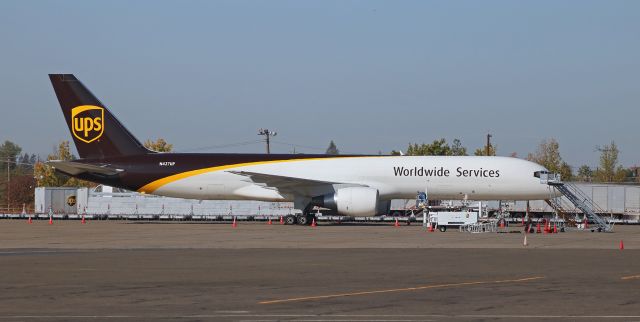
[74,168]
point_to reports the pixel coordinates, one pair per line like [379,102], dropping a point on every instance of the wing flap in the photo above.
[299,186]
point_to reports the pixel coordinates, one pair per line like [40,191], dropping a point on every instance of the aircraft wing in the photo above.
[299,186]
[75,168]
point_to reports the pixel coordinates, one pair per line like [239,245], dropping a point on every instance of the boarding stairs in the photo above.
[579,199]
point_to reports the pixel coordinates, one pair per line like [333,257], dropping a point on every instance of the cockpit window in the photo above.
[538,173]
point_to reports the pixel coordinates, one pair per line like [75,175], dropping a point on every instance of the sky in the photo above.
[371,75]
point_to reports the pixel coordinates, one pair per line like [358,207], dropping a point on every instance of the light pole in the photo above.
[267,134]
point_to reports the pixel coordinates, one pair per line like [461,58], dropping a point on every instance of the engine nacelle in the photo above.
[352,201]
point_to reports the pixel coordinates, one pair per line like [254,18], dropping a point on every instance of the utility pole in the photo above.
[8,186]
[488,147]
[267,134]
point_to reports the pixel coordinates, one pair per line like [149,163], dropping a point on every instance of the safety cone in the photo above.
[431,228]
[281,220]
[30,221]
[313,223]
[50,220]
[501,223]
[538,229]
[234,224]
[524,243]
[269,223]
[396,224]
[546,228]
[84,221]
[621,245]
[555,228]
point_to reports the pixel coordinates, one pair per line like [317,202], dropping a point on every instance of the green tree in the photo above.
[483,150]
[332,149]
[457,148]
[159,145]
[609,170]
[9,151]
[548,155]
[584,173]
[437,147]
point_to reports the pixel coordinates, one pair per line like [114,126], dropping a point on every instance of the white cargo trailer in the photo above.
[444,219]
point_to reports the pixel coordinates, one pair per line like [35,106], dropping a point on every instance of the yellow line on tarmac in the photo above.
[632,277]
[408,289]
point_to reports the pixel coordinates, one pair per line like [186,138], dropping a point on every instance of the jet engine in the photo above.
[352,201]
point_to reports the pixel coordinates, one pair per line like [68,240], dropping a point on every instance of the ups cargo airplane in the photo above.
[349,184]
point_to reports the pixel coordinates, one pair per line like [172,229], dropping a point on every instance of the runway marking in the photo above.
[408,289]
[632,277]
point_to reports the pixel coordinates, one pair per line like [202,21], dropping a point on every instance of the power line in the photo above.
[309,147]
[221,146]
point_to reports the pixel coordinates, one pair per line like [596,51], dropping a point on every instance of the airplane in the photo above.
[352,185]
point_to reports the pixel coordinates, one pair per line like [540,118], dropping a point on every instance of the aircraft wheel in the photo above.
[303,220]
[290,220]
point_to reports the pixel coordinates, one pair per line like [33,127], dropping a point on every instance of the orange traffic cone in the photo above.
[431,228]
[30,221]
[396,224]
[50,220]
[234,224]
[621,245]
[555,228]
[538,229]
[269,223]
[546,228]
[83,220]
[501,223]
[281,220]
[313,223]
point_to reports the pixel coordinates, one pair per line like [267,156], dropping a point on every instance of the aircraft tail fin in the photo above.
[96,132]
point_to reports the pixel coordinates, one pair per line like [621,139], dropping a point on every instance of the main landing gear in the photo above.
[301,219]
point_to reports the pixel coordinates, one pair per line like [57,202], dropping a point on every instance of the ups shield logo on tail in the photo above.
[87,122]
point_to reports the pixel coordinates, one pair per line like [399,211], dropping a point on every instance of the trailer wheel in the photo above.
[290,220]
[304,220]
[442,228]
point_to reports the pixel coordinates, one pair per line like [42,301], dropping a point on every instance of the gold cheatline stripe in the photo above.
[320,297]
[153,186]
